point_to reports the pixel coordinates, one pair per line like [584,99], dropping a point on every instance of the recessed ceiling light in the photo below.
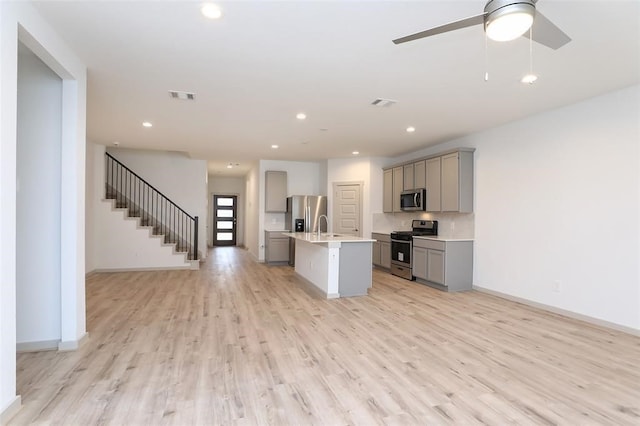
[275,146]
[229,166]
[356,152]
[211,11]
[147,124]
[411,129]
[529,79]
[301,116]
[116,143]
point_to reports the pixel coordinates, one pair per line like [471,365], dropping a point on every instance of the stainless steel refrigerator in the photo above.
[303,215]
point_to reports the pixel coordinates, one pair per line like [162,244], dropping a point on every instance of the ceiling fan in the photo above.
[505,20]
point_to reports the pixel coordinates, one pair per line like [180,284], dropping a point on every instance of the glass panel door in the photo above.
[225,221]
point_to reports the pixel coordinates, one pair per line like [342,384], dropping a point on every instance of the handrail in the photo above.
[148,184]
[153,207]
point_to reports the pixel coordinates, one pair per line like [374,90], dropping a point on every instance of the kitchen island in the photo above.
[336,265]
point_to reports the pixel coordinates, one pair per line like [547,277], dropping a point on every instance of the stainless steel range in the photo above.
[402,246]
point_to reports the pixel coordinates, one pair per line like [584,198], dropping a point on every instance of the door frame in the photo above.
[236,209]
[334,204]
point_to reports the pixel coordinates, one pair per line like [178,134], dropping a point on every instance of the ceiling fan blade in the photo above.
[547,33]
[451,26]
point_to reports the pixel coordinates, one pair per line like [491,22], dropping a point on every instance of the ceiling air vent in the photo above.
[185,96]
[381,102]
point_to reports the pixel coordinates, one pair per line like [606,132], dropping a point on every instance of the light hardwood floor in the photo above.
[242,343]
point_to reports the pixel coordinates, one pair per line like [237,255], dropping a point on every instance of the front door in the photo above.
[225,211]
[347,208]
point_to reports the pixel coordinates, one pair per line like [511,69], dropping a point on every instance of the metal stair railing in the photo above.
[152,207]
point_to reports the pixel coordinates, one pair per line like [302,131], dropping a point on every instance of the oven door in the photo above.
[401,259]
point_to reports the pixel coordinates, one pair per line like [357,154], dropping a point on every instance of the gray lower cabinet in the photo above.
[447,265]
[381,250]
[276,247]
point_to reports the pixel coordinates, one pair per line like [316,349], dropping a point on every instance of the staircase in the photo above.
[152,209]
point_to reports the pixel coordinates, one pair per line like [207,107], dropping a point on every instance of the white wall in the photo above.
[180,178]
[252,211]
[141,250]
[557,198]
[20,20]
[38,201]
[219,185]
[94,190]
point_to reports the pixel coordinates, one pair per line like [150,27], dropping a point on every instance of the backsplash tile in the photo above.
[450,225]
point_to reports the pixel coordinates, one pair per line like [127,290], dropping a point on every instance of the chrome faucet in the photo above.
[320,223]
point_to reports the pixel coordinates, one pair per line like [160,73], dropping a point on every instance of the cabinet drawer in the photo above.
[381,237]
[429,244]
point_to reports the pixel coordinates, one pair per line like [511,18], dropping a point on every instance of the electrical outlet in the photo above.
[557,286]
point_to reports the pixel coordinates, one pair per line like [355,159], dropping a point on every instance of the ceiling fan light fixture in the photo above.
[510,22]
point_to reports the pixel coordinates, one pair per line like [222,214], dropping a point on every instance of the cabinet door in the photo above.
[435,266]
[397,187]
[275,194]
[433,184]
[385,254]
[419,266]
[450,183]
[278,250]
[408,177]
[375,255]
[419,174]
[387,191]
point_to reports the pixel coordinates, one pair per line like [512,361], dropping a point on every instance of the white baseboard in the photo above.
[72,345]
[40,346]
[315,291]
[559,311]
[10,410]
[172,268]
[51,345]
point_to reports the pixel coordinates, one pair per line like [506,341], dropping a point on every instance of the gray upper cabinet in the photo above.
[275,194]
[387,191]
[457,182]
[433,184]
[419,174]
[448,179]
[398,185]
[407,179]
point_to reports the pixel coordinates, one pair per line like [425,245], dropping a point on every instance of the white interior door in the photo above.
[347,208]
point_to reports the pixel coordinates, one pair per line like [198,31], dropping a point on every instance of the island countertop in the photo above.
[312,237]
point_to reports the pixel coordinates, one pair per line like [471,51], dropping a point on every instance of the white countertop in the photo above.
[439,238]
[312,237]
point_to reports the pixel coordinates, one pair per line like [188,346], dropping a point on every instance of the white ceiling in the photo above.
[264,61]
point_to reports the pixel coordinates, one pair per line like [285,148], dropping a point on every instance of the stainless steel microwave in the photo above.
[413,199]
